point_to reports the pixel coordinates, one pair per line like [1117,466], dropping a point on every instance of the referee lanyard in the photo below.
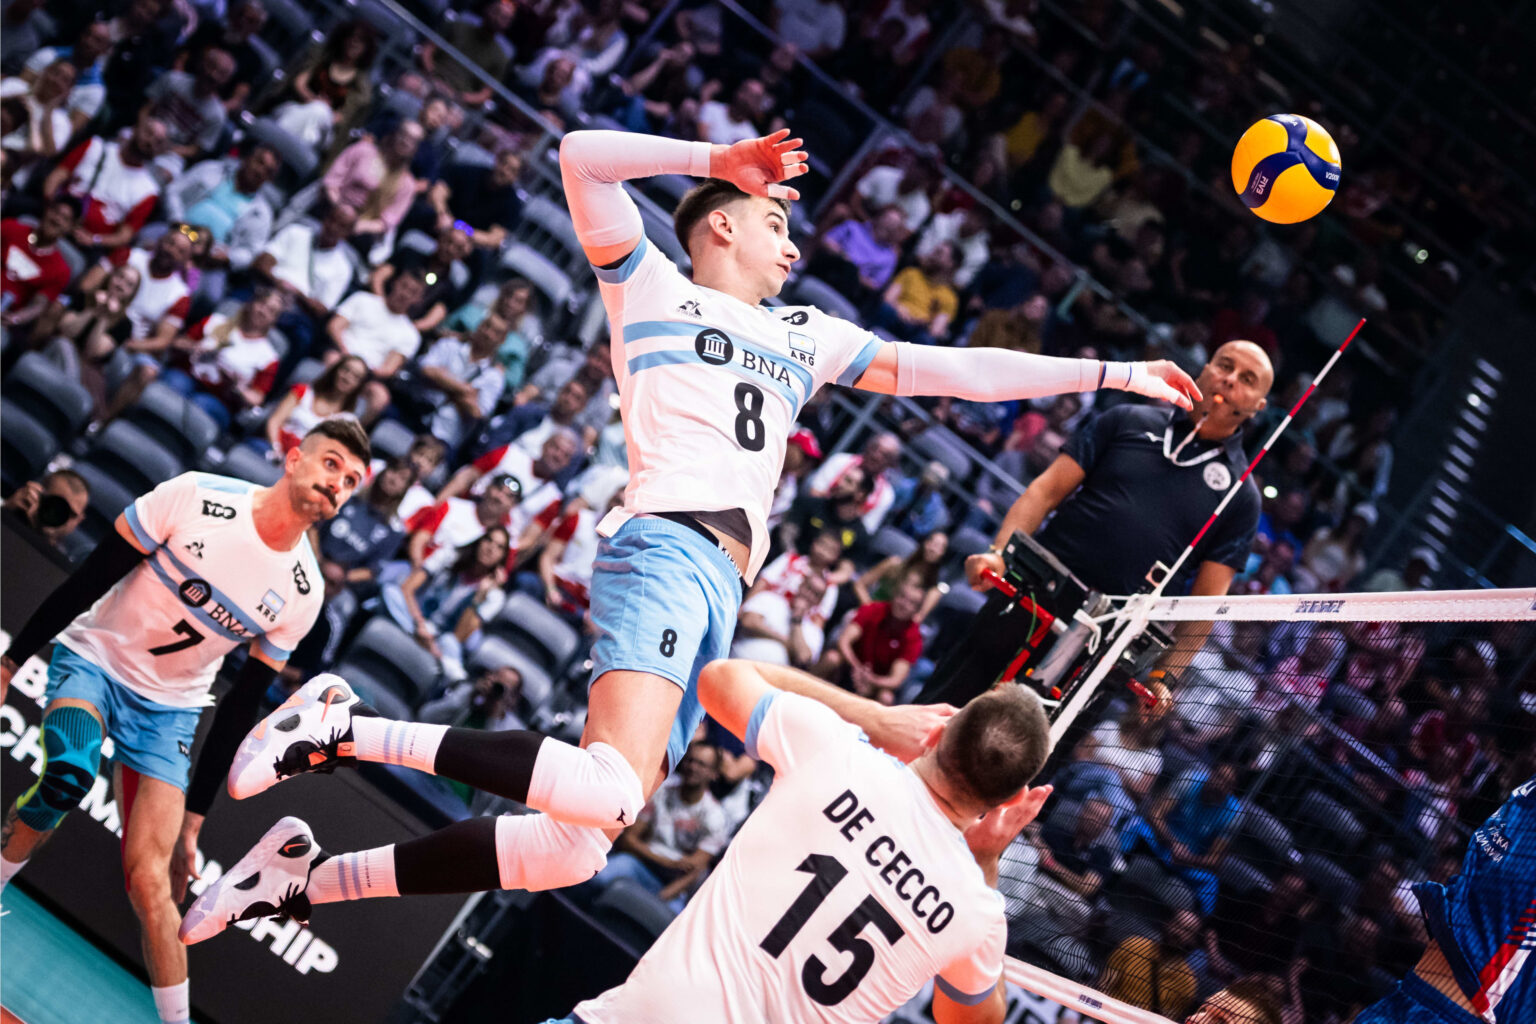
[1171,453]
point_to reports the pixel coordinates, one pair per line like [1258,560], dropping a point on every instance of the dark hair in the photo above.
[65,199]
[995,744]
[325,384]
[705,198]
[335,43]
[75,481]
[916,565]
[377,499]
[468,560]
[348,433]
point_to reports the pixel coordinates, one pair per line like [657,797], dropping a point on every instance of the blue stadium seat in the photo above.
[813,291]
[496,652]
[109,496]
[132,457]
[941,444]
[38,386]
[634,916]
[244,463]
[541,633]
[889,541]
[26,447]
[392,660]
[390,438]
[174,421]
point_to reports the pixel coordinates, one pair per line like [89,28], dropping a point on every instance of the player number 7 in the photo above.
[182,628]
[828,872]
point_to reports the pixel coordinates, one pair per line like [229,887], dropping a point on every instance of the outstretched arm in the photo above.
[594,163]
[729,690]
[998,375]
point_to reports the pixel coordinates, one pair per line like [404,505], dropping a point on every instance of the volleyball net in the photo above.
[1250,809]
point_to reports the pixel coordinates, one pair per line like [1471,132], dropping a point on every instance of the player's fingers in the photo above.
[788,157]
[782,192]
[776,137]
[1182,381]
[1165,391]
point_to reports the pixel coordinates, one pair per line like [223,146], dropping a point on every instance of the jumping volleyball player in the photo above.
[196,567]
[710,382]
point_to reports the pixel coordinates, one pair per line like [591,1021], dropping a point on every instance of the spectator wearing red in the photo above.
[536,475]
[880,462]
[33,272]
[114,181]
[455,522]
[337,390]
[876,650]
[230,361]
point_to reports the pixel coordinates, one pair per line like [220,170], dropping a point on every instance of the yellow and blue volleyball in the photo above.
[1286,168]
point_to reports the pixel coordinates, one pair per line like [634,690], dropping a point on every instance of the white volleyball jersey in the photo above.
[709,387]
[844,892]
[210,583]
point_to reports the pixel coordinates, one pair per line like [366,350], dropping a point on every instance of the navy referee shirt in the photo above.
[1136,507]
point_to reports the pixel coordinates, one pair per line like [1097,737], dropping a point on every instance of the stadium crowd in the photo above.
[227,220]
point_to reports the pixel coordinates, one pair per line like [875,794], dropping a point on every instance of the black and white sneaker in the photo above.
[310,732]
[269,881]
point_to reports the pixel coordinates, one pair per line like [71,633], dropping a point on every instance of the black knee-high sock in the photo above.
[495,762]
[457,859]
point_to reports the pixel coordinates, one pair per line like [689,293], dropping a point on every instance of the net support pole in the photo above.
[1133,621]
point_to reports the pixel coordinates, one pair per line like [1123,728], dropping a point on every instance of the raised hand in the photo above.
[756,166]
[904,731]
[1161,380]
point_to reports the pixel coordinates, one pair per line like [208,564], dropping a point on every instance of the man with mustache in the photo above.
[196,567]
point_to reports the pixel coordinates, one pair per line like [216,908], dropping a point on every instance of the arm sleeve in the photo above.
[989,374]
[110,561]
[970,980]
[593,163]
[232,719]
[786,730]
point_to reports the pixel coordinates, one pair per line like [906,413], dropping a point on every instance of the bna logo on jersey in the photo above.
[714,347]
[195,592]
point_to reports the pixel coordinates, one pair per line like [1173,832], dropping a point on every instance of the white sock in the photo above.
[412,744]
[173,1003]
[8,869]
[354,876]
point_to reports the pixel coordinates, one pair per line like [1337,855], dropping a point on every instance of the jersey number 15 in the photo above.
[827,872]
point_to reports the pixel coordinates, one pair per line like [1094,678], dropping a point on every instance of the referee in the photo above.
[1134,485]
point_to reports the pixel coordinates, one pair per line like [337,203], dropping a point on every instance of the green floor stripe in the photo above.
[50,974]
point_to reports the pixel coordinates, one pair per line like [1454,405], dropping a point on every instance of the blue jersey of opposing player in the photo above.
[1484,919]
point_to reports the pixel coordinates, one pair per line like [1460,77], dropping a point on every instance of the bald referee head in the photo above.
[1234,385]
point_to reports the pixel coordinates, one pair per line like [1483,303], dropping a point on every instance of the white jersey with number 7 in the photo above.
[710,387]
[844,892]
[210,584]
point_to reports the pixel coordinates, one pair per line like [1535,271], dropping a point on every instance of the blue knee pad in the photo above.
[71,751]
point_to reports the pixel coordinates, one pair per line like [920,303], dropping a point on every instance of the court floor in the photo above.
[50,974]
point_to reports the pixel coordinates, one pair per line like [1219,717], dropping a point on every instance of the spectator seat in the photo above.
[390,438]
[890,542]
[1327,824]
[55,401]
[245,464]
[1330,881]
[393,660]
[174,421]
[26,447]
[553,283]
[132,457]
[542,634]
[496,652]
[548,230]
[813,291]
[942,445]
[634,916]
[109,496]
[297,155]
[966,541]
